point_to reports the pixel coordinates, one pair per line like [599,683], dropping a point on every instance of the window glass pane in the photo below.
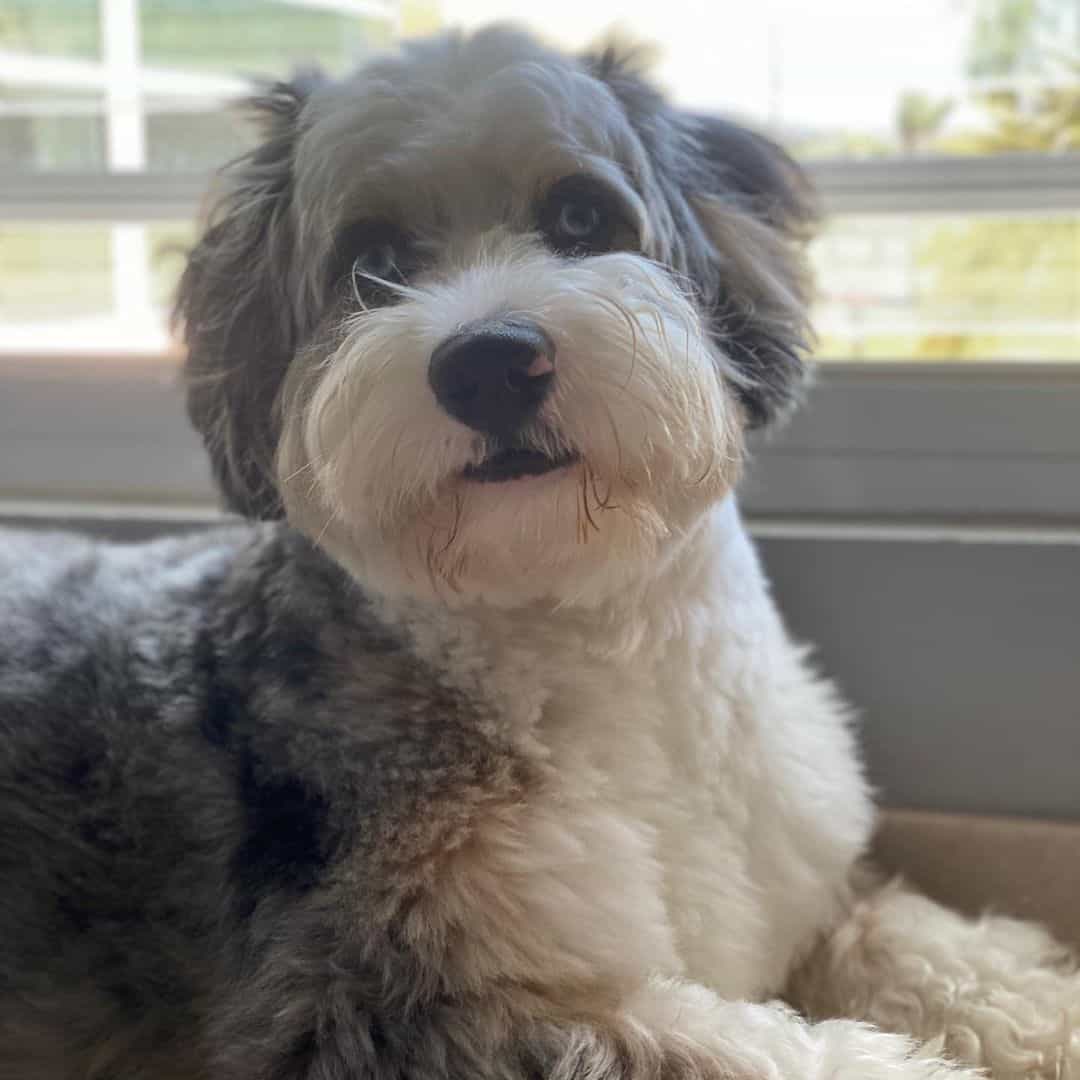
[256,37]
[949,288]
[43,267]
[51,130]
[66,77]
[847,78]
[192,135]
[890,287]
[56,28]
[851,78]
[113,283]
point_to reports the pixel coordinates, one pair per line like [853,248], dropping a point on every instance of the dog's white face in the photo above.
[497,319]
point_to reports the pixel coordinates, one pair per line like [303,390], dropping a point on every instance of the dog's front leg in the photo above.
[996,992]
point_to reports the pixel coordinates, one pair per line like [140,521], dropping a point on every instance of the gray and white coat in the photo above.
[453,766]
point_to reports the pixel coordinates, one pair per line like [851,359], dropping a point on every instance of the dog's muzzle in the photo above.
[494,375]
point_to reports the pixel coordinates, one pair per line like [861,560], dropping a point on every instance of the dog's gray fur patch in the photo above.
[204,742]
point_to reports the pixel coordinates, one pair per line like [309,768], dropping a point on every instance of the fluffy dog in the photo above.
[485,754]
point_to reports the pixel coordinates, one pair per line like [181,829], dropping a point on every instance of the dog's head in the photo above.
[489,321]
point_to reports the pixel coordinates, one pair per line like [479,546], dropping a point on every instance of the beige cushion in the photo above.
[1010,866]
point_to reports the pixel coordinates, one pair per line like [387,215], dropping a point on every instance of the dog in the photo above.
[481,749]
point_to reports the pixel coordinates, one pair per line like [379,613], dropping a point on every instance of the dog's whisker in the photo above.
[306,467]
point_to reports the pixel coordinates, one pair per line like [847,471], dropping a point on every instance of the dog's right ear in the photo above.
[234,309]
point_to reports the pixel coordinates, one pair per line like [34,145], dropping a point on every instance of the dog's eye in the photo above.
[580,216]
[370,252]
[378,261]
[580,221]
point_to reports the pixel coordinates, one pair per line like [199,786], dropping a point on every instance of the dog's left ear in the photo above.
[738,212]
[234,305]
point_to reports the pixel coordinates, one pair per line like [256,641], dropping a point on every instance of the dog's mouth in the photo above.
[514,462]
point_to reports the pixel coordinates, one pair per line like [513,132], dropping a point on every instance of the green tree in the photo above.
[1002,38]
[1017,40]
[1025,270]
[1046,118]
[1013,37]
[919,118]
[996,270]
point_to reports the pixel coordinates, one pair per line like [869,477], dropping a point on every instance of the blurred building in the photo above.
[105,86]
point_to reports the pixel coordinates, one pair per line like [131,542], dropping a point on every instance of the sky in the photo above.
[836,64]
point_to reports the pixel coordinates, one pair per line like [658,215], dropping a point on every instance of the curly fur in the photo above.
[994,991]
[424,778]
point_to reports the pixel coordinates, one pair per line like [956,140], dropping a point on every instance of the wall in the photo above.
[962,658]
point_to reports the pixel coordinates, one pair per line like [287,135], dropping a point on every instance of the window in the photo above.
[944,136]
[94,93]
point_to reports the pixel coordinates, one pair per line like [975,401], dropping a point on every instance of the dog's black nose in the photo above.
[493,375]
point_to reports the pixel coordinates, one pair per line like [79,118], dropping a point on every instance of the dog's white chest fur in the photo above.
[702,801]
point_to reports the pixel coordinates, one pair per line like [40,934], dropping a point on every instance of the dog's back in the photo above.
[114,819]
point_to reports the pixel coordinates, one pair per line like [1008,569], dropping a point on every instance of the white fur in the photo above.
[701,811]
[629,635]
[371,465]
[752,1040]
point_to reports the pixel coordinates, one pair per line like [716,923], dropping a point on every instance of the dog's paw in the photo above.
[997,993]
[698,1035]
[834,1050]
[1014,1035]
[848,1050]
[748,1041]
